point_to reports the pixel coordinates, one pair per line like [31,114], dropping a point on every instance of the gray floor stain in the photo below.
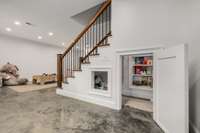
[45,112]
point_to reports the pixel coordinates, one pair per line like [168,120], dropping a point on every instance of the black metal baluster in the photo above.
[65,74]
[81,47]
[85,44]
[89,39]
[71,60]
[110,18]
[72,57]
[76,51]
[64,70]
[71,63]
[79,54]
[75,63]
[93,37]
[101,21]
[99,28]
[75,57]
[67,65]
[106,20]
[86,34]
[96,39]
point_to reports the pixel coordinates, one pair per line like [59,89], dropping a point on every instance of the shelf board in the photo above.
[139,75]
[146,88]
[145,65]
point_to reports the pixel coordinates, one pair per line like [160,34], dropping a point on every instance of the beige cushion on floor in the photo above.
[31,87]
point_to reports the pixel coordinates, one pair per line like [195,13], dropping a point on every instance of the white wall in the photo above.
[144,23]
[31,57]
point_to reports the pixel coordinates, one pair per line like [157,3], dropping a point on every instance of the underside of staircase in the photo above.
[94,36]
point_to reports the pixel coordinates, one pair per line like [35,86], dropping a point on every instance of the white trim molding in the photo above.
[105,93]
[86,98]
[119,54]
[130,51]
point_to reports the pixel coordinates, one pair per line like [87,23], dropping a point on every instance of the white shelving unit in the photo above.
[141,73]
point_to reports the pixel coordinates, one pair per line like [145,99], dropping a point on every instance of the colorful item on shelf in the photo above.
[142,71]
[138,69]
[145,60]
[149,82]
[149,70]
[137,80]
[137,61]
[149,62]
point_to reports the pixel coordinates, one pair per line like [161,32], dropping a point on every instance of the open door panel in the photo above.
[171,92]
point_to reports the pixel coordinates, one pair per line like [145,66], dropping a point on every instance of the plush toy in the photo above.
[10,76]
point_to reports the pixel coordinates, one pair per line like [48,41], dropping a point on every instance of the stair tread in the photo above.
[85,62]
[104,45]
[94,54]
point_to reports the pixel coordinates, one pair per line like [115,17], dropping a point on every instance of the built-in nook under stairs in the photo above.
[94,36]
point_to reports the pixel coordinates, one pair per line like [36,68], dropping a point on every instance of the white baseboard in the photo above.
[162,126]
[193,128]
[86,98]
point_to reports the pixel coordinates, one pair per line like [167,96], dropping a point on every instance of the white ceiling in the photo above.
[46,16]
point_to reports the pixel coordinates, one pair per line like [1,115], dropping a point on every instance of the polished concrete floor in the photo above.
[45,112]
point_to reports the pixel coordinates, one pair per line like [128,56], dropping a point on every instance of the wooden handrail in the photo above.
[106,4]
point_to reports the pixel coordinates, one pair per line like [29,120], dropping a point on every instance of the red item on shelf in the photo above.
[138,70]
[145,60]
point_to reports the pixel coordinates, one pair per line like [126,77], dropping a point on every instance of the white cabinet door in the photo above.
[171,92]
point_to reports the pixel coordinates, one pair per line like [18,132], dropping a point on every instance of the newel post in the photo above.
[59,70]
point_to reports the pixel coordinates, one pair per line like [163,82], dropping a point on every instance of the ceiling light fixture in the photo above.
[50,33]
[29,24]
[39,37]
[63,44]
[17,23]
[8,29]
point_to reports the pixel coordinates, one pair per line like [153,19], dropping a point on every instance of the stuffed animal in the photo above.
[10,76]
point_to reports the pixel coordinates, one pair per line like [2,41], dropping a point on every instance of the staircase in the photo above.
[85,45]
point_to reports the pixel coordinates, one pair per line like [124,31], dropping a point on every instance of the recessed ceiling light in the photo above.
[63,43]
[39,37]
[8,29]
[29,24]
[17,23]
[50,33]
